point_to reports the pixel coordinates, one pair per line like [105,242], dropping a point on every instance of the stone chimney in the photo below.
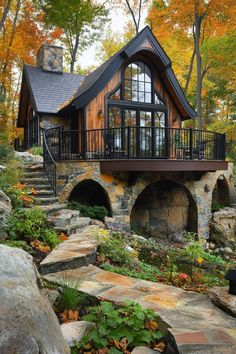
[50,58]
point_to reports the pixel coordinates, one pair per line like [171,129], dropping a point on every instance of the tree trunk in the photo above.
[5,13]
[73,54]
[198,21]
[189,71]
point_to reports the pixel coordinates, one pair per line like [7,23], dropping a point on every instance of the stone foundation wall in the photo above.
[123,188]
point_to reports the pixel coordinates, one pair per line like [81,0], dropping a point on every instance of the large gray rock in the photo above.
[28,324]
[5,211]
[27,157]
[220,297]
[223,227]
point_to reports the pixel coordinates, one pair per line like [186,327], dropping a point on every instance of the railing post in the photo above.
[84,143]
[129,141]
[191,143]
[167,144]
[60,141]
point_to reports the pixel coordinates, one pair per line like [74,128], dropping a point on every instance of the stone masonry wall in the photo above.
[123,189]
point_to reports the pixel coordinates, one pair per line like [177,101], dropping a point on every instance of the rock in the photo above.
[228,250]
[51,294]
[115,224]
[143,350]
[64,217]
[97,223]
[2,168]
[74,331]
[27,157]
[222,299]
[27,321]
[138,237]
[5,211]
[223,227]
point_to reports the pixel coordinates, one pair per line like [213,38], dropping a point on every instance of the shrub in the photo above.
[6,151]
[37,150]
[10,175]
[93,212]
[115,249]
[20,195]
[215,206]
[30,225]
[122,328]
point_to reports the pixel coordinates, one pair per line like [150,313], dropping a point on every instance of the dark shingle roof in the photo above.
[50,90]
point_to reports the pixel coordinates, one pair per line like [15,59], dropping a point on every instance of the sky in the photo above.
[118,21]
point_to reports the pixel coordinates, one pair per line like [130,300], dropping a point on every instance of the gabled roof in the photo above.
[50,90]
[98,79]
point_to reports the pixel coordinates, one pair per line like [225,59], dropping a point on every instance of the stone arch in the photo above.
[220,193]
[166,206]
[87,191]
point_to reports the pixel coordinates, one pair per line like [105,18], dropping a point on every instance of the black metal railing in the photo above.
[135,142]
[48,160]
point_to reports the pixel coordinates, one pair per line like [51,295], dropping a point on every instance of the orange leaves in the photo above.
[152,325]
[69,315]
[63,236]
[40,246]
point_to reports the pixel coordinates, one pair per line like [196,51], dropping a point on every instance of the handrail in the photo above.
[49,163]
[135,142]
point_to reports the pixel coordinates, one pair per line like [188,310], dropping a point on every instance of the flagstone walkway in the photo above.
[197,325]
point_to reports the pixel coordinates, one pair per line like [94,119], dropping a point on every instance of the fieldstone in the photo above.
[51,294]
[5,211]
[27,321]
[143,350]
[97,223]
[75,331]
[221,298]
[115,224]
[27,157]
[64,217]
[223,227]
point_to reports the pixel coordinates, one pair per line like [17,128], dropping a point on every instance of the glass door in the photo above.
[145,134]
[159,134]
[130,138]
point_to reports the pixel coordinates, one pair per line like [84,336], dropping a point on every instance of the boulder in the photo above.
[27,157]
[223,227]
[5,211]
[97,223]
[221,298]
[116,224]
[74,331]
[143,350]
[27,321]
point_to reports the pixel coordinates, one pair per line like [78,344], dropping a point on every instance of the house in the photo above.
[116,137]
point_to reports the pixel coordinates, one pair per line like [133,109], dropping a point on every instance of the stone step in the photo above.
[42,192]
[39,187]
[64,218]
[53,207]
[47,201]
[75,227]
[205,340]
[35,174]
[176,307]
[35,181]
[78,251]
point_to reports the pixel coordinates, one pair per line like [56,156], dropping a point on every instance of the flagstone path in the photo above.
[197,325]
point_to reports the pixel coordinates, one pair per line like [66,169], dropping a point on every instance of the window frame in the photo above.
[138,106]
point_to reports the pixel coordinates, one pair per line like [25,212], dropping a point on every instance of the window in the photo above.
[138,85]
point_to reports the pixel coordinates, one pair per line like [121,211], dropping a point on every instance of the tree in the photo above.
[82,22]
[197,20]
[5,11]
[134,9]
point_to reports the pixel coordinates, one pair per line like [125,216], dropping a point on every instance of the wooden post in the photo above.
[191,143]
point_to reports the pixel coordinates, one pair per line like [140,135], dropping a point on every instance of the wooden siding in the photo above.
[93,120]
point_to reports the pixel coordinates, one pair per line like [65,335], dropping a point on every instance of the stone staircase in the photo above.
[36,178]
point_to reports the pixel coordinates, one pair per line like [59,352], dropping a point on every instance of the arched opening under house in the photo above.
[89,192]
[164,208]
[220,194]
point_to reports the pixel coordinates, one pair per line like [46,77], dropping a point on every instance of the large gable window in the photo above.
[138,83]
[135,104]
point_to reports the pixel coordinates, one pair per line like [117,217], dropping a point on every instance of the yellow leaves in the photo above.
[160,347]
[199,260]
[40,246]
[152,325]
[69,315]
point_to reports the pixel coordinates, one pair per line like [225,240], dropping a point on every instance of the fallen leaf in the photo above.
[160,347]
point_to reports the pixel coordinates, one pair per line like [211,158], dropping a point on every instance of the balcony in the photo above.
[136,148]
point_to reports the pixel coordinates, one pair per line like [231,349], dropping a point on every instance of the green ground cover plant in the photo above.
[93,212]
[119,329]
[31,225]
[191,266]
